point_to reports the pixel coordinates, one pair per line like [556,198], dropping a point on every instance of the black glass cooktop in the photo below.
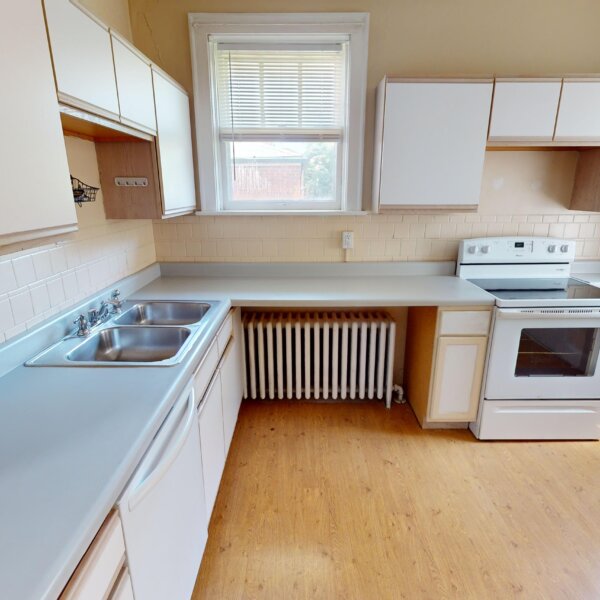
[538,289]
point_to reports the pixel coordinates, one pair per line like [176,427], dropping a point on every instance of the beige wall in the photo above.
[523,192]
[115,13]
[41,279]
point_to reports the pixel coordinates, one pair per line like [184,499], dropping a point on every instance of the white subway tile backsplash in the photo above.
[42,265]
[21,305]
[16,330]
[84,280]
[8,282]
[58,259]
[571,231]
[40,298]
[56,291]
[69,281]
[586,230]
[6,314]
[581,218]
[24,270]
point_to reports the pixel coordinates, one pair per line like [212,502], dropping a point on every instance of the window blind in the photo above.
[282,90]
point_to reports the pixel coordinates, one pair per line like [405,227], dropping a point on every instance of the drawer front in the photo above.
[464,322]
[100,566]
[206,370]
[224,334]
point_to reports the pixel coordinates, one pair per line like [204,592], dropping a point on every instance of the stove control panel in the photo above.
[500,250]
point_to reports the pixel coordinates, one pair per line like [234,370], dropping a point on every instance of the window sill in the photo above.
[282,213]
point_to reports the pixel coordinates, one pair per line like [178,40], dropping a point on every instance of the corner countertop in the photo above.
[325,292]
[70,439]
[68,445]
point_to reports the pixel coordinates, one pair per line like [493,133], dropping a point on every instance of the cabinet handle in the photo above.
[168,457]
[209,389]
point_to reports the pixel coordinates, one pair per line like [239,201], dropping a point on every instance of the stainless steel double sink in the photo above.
[148,333]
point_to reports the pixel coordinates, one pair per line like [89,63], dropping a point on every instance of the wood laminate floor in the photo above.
[350,501]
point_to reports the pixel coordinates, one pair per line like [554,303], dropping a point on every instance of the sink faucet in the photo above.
[115,300]
[82,326]
[103,311]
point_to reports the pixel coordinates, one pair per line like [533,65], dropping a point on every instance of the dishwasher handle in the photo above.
[168,457]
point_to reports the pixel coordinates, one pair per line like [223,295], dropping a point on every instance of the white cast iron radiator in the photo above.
[319,355]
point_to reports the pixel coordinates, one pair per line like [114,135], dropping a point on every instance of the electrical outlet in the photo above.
[347,240]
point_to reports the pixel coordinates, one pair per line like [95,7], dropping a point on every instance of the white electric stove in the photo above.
[542,375]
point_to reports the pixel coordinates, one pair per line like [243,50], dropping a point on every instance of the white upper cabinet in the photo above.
[524,110]
[35,190]
[174,141]
[579,112]
[134,82]
[83,60]
[430,142]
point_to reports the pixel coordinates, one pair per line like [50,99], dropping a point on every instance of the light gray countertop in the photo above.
[69,441]
[412,290]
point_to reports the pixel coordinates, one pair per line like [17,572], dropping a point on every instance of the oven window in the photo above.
[557,352]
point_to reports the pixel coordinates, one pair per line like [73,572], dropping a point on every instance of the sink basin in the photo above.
[164,313]
[131,345]
[148,333]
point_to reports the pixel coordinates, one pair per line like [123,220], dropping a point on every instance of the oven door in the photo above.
[544,353]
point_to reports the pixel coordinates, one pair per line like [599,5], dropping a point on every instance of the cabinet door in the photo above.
[231,383]
[579,112]
[524,110]
[212,442]
[434,143]
[134,83]
[162,510]
[83,60]
[174,139]
[34,182]
[457,376]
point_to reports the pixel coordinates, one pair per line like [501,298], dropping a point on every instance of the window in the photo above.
[274,97]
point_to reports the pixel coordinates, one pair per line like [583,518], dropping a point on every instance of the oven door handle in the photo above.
[549,313]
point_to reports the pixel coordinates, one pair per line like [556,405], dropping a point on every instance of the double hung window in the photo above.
[280,115]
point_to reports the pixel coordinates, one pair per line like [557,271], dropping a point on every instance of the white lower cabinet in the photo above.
[212,440]
[458,371]
[163,511]
[231,387]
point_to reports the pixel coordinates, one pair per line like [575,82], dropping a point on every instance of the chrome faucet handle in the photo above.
[82,326]
[115,300]
[93,316]
[103,312]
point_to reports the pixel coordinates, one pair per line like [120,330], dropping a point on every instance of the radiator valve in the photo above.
[398,394]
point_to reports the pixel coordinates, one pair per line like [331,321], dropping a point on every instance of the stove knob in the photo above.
[552,248]
[564,248]
[472,249]
[485,249]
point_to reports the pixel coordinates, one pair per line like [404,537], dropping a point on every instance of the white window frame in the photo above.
[353,26]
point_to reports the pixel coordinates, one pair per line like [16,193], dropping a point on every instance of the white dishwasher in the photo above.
[163,509]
